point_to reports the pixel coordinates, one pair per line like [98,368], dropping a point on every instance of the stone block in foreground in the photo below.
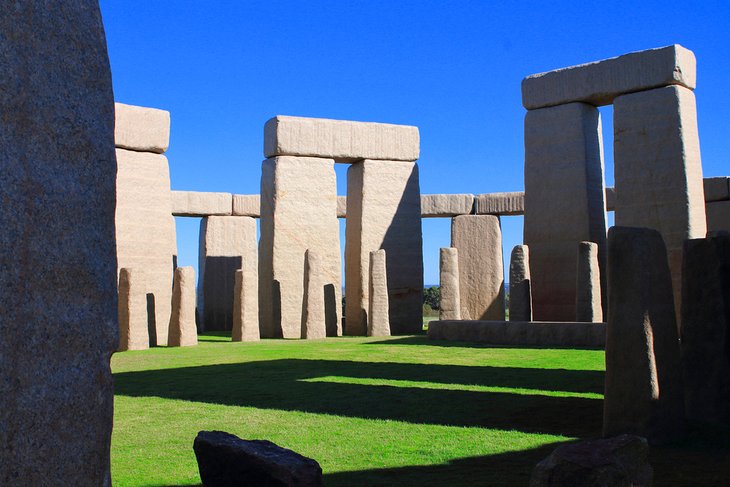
[446,205]
[141,129]
[198,203]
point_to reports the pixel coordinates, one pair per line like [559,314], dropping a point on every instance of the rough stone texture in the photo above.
[621,461]
[196,203]
[588,304]
[227,243]
[141,129]
[133,332]
[224,460]
[298,212]
[564,201]
[598,83]
[718,216]
[446,205]
[521,333]
[246,304]
[478,239]
[706,328]
[658,169]
[384,212]
[520,293]
[643,386]
[58,325]
[716,189]
[500,203]
[313,309]
[183,332]
[342,207]
[378,320]
[247,205]
[450,308]
[341,140]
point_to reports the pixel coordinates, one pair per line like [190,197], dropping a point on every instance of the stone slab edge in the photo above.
[141,128]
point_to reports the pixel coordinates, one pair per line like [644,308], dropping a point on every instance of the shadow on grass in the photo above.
[424,340]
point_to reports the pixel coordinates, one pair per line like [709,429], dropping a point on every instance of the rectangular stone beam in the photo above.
[247,205]
[446,205]
[200,204]
[507,204]
[141,129]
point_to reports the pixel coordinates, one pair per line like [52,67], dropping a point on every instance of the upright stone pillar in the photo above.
[384,212]
[246,304]
[378,319]
[183,332]
[588,305]
[564,201]
[133,331]
[58,325]
[478,239]
[450,306]
[313,308]
[520,294]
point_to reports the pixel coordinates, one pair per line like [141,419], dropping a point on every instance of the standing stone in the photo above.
[450,306]
[183,332]
[246,304]
[520,294]
[58,325]
[478,239]
[133,333]
[226,243]
[588,306]
[718,216]
[378,320]
[298,212]
[564,201]
[313,312]
[384,212]
[643,386]
[706,328]
[658,169]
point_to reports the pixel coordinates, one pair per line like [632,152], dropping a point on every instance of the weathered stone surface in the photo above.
[183,332]
[446,205]
[521,333]
[620,461]
[520,293]
[227,243]
[643,386]
[298,212]
[478,239]
[564,201]
[341,140]
[716,189]
[588,304]
[342,207]
[718,216]
[512,203]
[58,325]
[384,212]
[197,203]
[378,320]
[247,205]
[141,129]
[224,460]
[450,308]
[706,328]
[314,326]
[133,332]
[598,83]
[658,169]
[246,304]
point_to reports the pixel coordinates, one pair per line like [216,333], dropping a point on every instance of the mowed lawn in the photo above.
[398,411]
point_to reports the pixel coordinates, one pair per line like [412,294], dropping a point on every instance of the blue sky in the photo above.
[451,68]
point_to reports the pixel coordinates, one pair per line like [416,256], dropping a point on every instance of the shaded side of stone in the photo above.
[450,306]
[520,293]
[588,305]
[378,319]
[718,216]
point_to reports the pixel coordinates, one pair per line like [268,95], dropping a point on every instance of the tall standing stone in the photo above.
[520,294]
[246,304]
[564,201]
[478,239]
[450,306]
[378,319]
[183,332]
[313,307]
[133,331]
[58,326]
[643,386]
[588,304]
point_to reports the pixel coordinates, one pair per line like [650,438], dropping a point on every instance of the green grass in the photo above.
[401,411]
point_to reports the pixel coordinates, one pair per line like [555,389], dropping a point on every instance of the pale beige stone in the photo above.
[512,203]
[718,216]
[342,140]
[342,207]
[247,205]
[450,308]
[600,82]
[196,203]
[564,201]
[478,239]
[520,291]
[378,320]
[133,332]
[298,212]
[141,129]
[183,332]
[446,205]
[384,212]
[313,307]
[145,229]
[588,304]
[716,189]
[246,304]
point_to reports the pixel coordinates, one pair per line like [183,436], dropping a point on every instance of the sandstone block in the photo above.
[588,304]
[342,207]
[718,216]
[141,129]
[450,308]
[313,308]
[716,189]
[196,203]
[341,140]
[133,332]
[246,304]
[183,332]
[378,320]
[500,203]
[520,293]
[247,205]
[446,205]
[478,240]
[598,83]
[643,386]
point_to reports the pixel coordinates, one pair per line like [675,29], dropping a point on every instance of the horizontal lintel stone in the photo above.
[717,189]
[247,205]
[141,129]
[446,205]
[512,203]
[196,203]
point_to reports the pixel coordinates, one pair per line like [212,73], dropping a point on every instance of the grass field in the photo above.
[401,411]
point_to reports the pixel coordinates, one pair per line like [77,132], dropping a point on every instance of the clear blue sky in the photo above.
[451,68]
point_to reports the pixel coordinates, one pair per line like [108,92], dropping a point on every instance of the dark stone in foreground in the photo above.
[620,461]
[225,460]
